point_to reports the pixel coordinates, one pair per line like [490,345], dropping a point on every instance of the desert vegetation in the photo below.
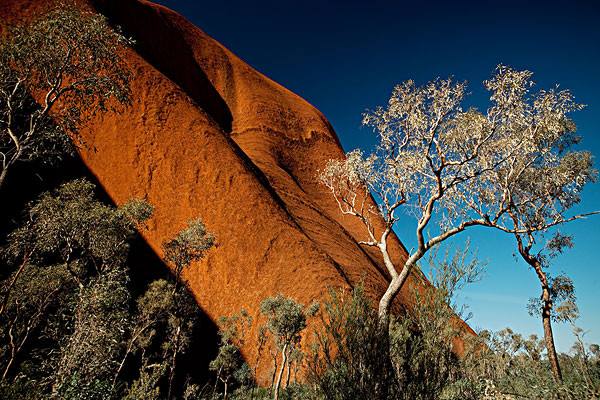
[512,169]
[70,61]
[74,328]
[347,357]
[78,322]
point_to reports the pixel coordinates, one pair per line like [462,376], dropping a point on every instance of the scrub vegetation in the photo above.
[77,322]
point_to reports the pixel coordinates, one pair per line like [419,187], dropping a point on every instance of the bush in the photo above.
[349,359]
[517,366]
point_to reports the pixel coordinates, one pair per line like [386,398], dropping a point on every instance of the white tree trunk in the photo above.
[280,376]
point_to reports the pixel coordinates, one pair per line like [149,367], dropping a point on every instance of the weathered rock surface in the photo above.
[209,137]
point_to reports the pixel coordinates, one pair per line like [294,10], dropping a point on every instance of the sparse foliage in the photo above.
[229,364]
[348,359]
[69,240]
[161,331]
[515,367]
[562,296]
[286,319]
[511,168]
[188,245]
[54,73]
[90,355]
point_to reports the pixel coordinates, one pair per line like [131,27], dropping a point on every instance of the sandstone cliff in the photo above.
[208,136]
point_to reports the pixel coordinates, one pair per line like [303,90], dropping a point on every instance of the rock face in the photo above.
[209,137]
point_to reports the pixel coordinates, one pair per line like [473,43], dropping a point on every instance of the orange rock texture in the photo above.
[209,137]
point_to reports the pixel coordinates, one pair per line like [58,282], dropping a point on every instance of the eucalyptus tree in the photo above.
[537,186]
[54,73]
[160,330]
[69,258]
[286,319]
[510,168]
[229,363]
[189,245]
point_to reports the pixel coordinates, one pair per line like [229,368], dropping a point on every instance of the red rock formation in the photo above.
[208,136]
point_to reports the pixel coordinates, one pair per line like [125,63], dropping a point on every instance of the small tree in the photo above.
[229,364]
[537,185]
[286,319]
[160,330]
[587,365]
[68,60]
[152,312]
[509,168]
[70,254]
[189,245]
[348,359]
[424,344]
[91,353]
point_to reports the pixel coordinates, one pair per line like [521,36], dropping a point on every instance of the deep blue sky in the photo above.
[345,57]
